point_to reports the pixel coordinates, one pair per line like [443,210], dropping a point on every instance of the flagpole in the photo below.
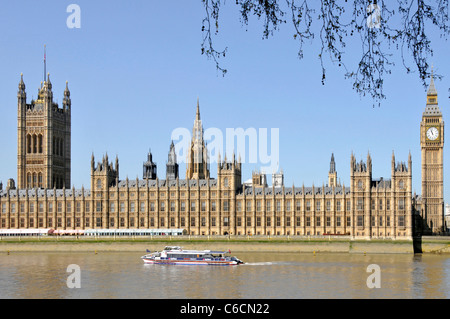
[45,63]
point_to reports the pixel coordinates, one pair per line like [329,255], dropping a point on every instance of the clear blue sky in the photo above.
[135,72]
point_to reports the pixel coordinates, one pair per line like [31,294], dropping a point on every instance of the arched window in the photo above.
[29,180]
[34,180]
[99,183]
[34,144]
[40,143]
[40,181]
[28,143]
[225,182]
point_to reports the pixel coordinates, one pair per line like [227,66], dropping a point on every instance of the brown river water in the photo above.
[263,276]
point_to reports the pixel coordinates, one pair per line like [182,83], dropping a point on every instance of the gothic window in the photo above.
[401,184]
[99,183]
[40,143]
[401,204]
[360,221]
[225,206]
[28,143]
[225,182]
[401,221]
[40,181]
[298,206]
[318,206]
[34,144]
[360,204]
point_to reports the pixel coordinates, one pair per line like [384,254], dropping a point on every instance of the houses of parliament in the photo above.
[42,196]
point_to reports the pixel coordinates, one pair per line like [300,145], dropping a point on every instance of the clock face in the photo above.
[432,133]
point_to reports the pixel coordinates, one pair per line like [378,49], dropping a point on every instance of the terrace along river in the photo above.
[275,275]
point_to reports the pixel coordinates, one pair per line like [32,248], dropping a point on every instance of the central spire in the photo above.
[197,158]
[197,116]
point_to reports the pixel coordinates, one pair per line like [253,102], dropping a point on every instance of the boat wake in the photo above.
[265,263]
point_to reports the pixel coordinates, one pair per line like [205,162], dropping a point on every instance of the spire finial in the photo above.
[198,109]
[432,88]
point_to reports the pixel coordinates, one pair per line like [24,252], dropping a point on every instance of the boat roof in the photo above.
[180,249]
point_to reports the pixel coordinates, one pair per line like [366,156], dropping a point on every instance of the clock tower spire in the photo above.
[432,147]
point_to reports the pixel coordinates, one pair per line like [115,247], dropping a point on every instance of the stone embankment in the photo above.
[436,245]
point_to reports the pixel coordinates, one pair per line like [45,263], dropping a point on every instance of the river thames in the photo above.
[123,275]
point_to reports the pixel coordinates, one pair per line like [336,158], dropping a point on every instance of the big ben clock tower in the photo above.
[432,146]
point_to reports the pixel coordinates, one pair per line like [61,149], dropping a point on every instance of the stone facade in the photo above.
[202,205]
[44,137]
[432,146]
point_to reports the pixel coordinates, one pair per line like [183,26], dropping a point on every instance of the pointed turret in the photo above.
[432,108]
[332,164]
[197,116]
[432,89]
[21,85]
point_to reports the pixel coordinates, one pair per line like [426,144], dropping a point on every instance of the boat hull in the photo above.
[191,262]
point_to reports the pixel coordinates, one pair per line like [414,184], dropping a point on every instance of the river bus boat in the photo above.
[175,255]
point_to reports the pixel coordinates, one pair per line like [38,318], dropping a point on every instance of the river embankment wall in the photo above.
[436,245]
